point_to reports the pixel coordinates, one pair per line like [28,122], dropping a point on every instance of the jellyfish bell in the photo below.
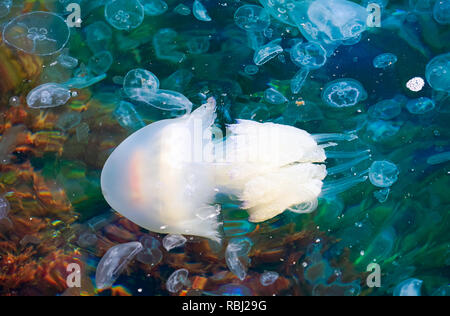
[152,179]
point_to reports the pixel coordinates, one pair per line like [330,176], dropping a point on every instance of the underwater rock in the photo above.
[384,61]
[252,18]
[343,93]
[48,95]
[114,262]
[173,241]
[383,174]
[124,14]
[200,12]
[177,280]
[410,287]
[39,33]
[268,278]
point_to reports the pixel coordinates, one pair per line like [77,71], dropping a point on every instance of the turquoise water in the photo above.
[372,93]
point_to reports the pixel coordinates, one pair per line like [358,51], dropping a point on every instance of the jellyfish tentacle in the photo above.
[334,187]
[346,154]
[323,138]
[346,166]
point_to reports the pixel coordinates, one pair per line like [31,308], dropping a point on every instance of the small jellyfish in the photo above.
[178,81]
[382,195]
[299,80]
[177,280]
[415,84]
[274,96]
[251,70]
[384,61]
[128,117]
[439,158]
[38,33]
[267,52]
[100,62]
[309,55]
[48,95]
[385,110]
[67,61]
[198,45]
[166,47]
[380,130]
[441,11]
[343,93]
[68,120]
[154,7]
[5,7]
[150,254]
[167,100]
[268,278]
[420,106]
[438,73]
[87,239]
[236,256]
[409,287]
[124,14]
[114,262]
[4,207]
[383,174]
[199,11]
[98,36]
[139,82]
[182,9]
[173,241]
[14,101]
[252,18]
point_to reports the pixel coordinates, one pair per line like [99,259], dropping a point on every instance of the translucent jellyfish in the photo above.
[173,241]
[330,21]
[380,130]
[98,36]
[299,80]
[383,174]
[38,33]
[166,47]
[415,84]
[165,185]
[337,289]
[198,44]
[200,12]
[177,280]
[48,95]
[382,195]
[4,207]
[309,55]
[384,60]
[385,110]
[68,120]
[274,97]
[150,253]
[167,100]
[252,18]
[236,256]
[343,93]
[178,81]
[441,11]
[421,6]
[251,70]
[5,7]
[268,278]
[100,62]
[438,73]
[439,158]
[87,239]
[138,83]
[114,262]
[409,287]
[280,9]
[154,7]
[182,9]
[124,14]
[420,106]
[267,52]
[128,117]
[67,61]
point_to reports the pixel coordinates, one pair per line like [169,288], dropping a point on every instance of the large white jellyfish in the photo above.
[166,176]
